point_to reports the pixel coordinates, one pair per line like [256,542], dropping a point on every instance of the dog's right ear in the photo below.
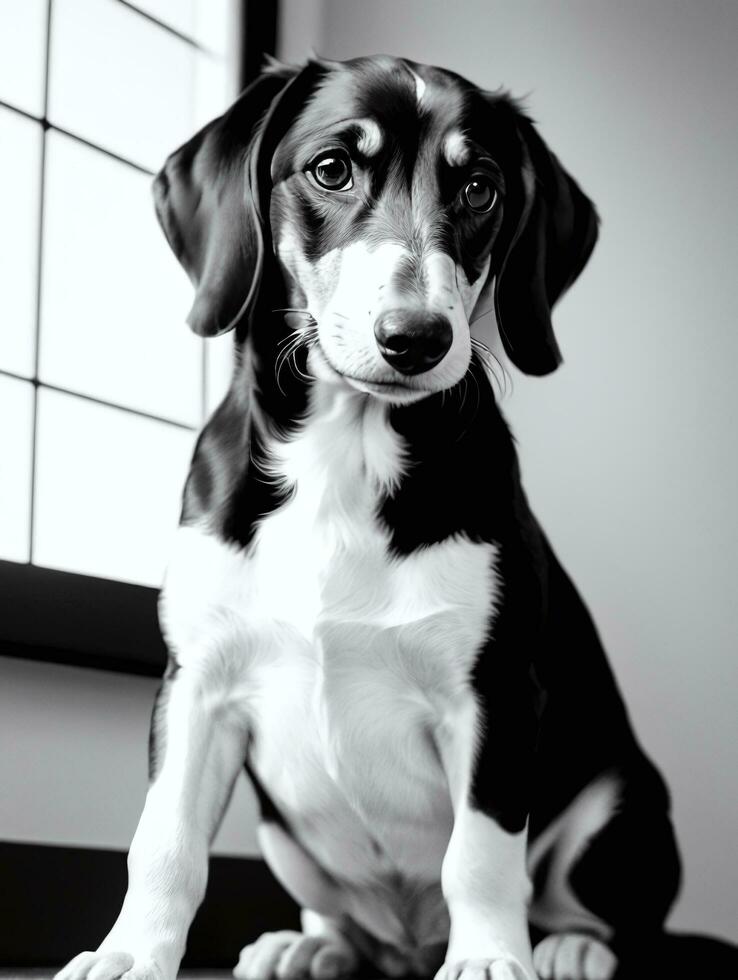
[212,197]
[545,242]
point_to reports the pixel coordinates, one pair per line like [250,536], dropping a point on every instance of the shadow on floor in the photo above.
[683,957]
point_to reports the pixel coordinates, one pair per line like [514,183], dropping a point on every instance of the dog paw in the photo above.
[499,968]
[289,955]
[109,965]
[573,956]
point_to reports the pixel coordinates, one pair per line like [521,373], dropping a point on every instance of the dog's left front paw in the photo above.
[110,965]
[289,955]
[573,956]
[497,968]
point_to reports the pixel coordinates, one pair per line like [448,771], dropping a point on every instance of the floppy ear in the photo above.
[545,245]
[212,198]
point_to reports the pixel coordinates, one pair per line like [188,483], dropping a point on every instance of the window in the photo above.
[102,386]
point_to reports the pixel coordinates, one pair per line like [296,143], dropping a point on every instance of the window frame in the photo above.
[65,617]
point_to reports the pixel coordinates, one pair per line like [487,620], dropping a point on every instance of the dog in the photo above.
[361,608]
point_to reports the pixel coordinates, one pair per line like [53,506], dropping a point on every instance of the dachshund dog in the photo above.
[361,608]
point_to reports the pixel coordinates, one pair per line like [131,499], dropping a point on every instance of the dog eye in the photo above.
[332,171]
[479,194]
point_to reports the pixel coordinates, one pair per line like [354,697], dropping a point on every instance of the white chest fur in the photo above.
[343,659]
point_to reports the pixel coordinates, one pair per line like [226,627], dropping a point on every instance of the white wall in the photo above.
[73,765]
[629,451]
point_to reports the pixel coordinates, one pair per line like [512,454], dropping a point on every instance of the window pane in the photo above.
[119,80]
[16,420]
[214,88]
[208,22]
[179,14]
[20,181]
[108,489]
[114,297]
[216,24]
[23,53]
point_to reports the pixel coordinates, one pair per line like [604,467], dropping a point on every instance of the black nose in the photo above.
[412,342]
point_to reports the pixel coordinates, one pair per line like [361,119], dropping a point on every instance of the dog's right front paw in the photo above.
[495,968]
[290,955]
[109,965]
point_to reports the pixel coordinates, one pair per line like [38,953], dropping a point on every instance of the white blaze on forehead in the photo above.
[419,86]
[456,148]
[370,137]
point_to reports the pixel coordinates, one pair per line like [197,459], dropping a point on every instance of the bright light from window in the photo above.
[114,299]
[103,428]
[107,483]
[20,172]
[16,433]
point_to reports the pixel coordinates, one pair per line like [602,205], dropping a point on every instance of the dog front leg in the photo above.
[486,750]
[200,745]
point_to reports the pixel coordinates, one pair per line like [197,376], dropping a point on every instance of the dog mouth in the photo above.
[390,389]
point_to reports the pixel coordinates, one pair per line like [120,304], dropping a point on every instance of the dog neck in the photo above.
[345,439]
[442,466]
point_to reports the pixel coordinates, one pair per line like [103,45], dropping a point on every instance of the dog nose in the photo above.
[412,342]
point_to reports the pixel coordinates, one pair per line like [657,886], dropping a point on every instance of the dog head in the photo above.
[385,201]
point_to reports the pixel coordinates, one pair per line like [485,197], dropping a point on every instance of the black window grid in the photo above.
[46,125]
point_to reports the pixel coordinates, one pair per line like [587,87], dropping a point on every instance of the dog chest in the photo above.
[345,716]
[343,659]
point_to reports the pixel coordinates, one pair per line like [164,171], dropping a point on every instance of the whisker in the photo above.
[307,336]
[494,366]
[283,359]
[463,388]
[299,332]
[478,396]
[292,360]
[297,370]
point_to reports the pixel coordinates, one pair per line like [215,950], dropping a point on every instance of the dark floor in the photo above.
[31,973]
[678,958]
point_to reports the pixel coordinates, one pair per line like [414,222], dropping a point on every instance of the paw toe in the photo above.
[296,959]
[108,965]
[573,956]
[259,960]
[600,962]
[475,970]
[507,970]
[76,968]
[291,955]
[331,962]
[501,968]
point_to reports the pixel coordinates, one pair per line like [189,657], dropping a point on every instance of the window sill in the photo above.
[62,617]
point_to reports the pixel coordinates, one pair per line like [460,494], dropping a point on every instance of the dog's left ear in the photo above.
[548,234]
[212,197]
